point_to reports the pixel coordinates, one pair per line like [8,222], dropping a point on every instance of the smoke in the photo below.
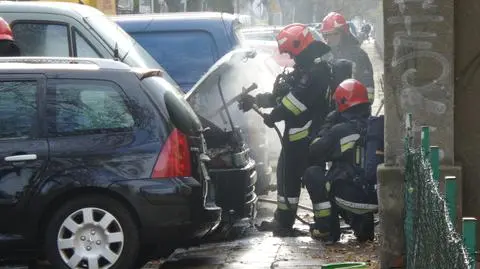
[241,72]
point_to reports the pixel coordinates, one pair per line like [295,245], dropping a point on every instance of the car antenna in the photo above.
[116,55]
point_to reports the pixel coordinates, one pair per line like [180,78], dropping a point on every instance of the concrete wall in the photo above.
[467,100]
[419,73]
[419,79]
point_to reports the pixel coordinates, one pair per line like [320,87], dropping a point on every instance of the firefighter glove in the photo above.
[246,102]
[263,99]
[267,119]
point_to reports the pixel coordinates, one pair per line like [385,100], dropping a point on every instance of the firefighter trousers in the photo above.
[332,196]
[290,168]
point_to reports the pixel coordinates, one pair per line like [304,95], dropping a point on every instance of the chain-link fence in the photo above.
[431,240]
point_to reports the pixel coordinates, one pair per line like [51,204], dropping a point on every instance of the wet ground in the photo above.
[258,250]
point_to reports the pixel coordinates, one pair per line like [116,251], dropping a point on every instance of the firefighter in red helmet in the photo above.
[336,32]
[8,48]
[343,189]
[302,100]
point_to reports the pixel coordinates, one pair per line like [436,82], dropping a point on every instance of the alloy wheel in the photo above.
[90,238]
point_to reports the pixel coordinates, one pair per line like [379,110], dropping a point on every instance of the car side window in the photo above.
[82,47]
[80,107]
[186,55]
[42,39]
[18,109]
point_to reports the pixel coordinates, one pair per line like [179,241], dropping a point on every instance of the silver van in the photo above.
[58,29]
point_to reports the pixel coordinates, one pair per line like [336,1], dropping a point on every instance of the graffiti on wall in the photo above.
[411,45]
[419,45]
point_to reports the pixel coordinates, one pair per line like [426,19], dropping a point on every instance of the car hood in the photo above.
[237,69]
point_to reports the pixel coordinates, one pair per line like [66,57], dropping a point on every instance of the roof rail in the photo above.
[101,63]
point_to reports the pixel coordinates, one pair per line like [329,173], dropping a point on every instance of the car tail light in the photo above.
[174,159]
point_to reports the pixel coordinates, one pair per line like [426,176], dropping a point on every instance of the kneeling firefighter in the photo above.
[348,188]
[301,99]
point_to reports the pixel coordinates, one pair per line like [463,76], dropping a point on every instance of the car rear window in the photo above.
[79,106]
[42,38]
[185,55]
[172,105]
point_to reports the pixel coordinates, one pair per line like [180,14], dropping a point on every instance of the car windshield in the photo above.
[237,69]
[135,55]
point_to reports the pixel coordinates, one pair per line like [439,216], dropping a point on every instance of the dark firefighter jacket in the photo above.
[341,142]
[350,49]
[302,100]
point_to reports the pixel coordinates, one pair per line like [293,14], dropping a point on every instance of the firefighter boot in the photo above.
[363,227]
[326,227]
[279,228]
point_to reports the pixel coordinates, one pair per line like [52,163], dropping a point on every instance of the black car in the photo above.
[74,30]
[98,162]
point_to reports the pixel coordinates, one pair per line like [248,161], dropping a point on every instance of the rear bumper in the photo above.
[235,191]
[169,210]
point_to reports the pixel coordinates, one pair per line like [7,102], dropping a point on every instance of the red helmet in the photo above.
[350,93]
[5,30]
[294,38]
[332,22]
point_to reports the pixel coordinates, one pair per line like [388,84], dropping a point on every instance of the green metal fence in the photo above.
[430,216]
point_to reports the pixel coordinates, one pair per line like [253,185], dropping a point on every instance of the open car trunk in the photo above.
[236,70]
[236,141]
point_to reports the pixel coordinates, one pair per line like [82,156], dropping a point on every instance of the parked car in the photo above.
[187,45]
[67,29]
[97,161]
[59,29]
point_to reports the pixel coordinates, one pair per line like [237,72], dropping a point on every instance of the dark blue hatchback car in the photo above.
[101,165]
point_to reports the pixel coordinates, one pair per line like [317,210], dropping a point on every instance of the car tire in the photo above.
[88,230]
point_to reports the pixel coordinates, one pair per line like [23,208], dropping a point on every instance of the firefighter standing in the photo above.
[8,48]
[302,100]
[344,187]
[344,45]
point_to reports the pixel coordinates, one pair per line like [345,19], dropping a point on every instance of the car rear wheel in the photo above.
[92,232]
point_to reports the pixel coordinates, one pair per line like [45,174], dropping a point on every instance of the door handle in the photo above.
[21,158]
